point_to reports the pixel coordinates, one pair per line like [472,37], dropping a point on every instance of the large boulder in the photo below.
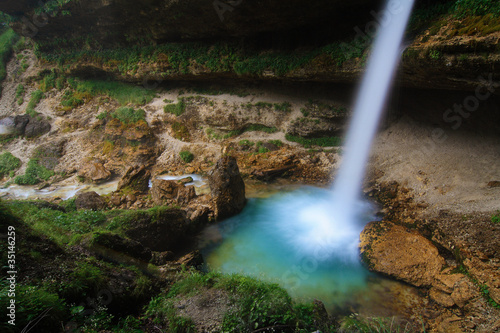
[36,127]
[135,178]
[227,188]
[405,255]
[132,248]
[26,125]
[95,172]
[20,123]
[90,200]
[171,191]
[166,230]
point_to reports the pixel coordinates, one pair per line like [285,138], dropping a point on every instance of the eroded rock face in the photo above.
[90,200]
[393,250]
[126,21]
[136,178]
[227,188]
[95,172]
[169,191]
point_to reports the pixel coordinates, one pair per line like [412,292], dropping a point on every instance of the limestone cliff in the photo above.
[151,41]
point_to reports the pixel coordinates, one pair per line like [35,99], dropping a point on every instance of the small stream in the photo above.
[64,192]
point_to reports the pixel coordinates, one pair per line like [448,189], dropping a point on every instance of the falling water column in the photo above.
[369,105]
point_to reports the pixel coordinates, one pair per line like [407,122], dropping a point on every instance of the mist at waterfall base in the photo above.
[290,238]
[307,240]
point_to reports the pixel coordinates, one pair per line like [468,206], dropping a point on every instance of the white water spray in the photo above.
[369,105]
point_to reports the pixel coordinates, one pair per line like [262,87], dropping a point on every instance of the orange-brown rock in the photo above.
[227,187]
[95,172]
[395,251]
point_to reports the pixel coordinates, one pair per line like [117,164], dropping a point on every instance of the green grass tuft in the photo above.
[34,174]
[129,115]
[122,92]
[20,94]
[186,156]
[36,97]
[8,163]
[7,39]
[322,142]
[175,108]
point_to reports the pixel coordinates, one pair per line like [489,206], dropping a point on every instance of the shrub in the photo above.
[435,54]
[256,304]
[8,163]
[48,82]
[263,150]
[277,143]
[36,97]
[103,115]
[71,100]
[176,108]
[181,132]
[20,94]
[476,8]
[34,304]
[246,143]
[496,217]
[34,174]
[285,106]
[163,309]
[186,156]
[129,115]
[7,39]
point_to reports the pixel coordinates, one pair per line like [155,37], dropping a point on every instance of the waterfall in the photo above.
[368,107]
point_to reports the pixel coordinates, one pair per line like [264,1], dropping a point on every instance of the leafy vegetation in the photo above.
[20,94]
[277,143]
[246,143]
[186,156]
[36,97]
[256,304]
[163,309]
[34,174]
[285,106]
[308,142]
[71,99]
[495,218]
[181,132]
[465,8]
[128,115]
[8,164]
[176,108]
[122,92]
[32,303]
[7,39]
[260,128]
